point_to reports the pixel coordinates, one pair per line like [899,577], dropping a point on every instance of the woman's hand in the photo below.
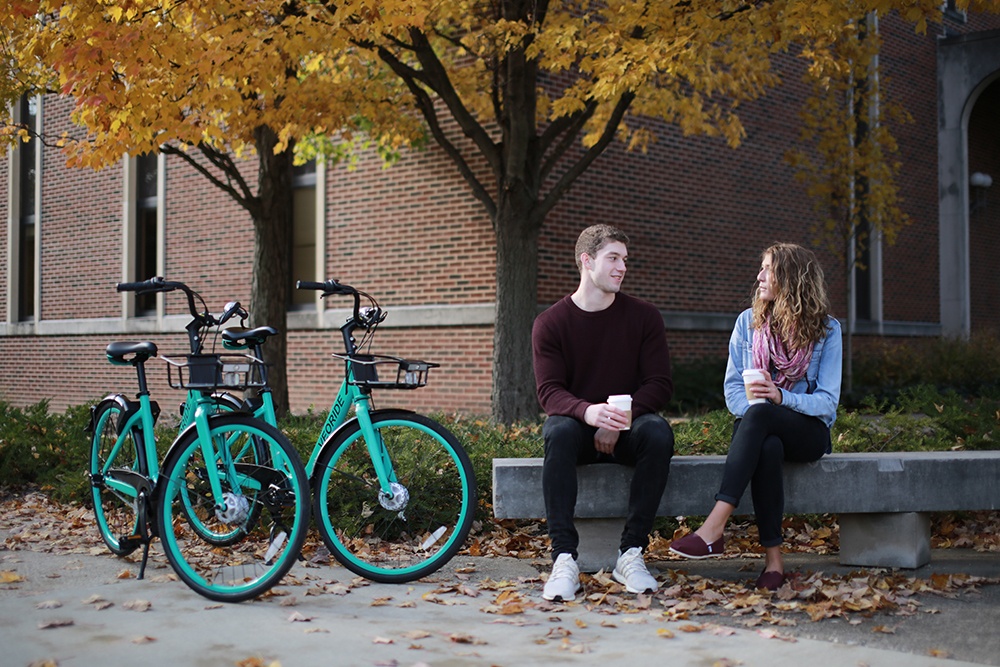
[765,388]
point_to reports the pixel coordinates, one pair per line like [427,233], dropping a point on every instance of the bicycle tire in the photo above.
[365,531]
[117,515]
[251,566]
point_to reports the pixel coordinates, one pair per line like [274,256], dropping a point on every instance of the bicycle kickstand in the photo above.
[143,530]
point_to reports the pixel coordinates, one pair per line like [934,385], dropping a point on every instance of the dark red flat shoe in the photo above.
[772,581]
[692,546]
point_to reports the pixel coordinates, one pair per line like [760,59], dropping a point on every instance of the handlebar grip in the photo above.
[330,286]
[157,284]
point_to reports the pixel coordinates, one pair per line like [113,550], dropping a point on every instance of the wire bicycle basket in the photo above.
[215,371]
[409,373]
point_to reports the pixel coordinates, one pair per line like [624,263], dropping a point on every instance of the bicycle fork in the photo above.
[392,495]
[232,506]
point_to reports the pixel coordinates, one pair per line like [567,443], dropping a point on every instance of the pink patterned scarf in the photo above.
[769,353]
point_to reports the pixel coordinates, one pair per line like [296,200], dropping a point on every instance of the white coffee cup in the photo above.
[622,402]
[751,375]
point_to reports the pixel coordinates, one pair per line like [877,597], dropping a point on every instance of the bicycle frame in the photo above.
[347,396]
[141,420]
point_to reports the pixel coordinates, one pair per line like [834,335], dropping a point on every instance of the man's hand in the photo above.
[608,420]
[605,440]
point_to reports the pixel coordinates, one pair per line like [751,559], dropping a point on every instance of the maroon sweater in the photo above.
[581,357]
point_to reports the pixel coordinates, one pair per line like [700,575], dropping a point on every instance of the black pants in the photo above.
[763,439]
[647,447]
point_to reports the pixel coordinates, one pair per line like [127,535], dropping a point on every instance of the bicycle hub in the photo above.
[397,501]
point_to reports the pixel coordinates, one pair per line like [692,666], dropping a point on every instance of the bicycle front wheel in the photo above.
[424,519]
[264,500]
[114,456]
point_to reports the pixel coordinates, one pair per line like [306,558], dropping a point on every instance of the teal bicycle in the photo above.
[394,493]
[230,502]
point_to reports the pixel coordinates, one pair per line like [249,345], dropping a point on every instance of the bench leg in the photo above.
[599,540]
[899,539]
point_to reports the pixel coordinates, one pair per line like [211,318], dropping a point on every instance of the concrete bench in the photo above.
[882,499]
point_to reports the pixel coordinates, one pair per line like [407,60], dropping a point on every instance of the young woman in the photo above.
[789,334]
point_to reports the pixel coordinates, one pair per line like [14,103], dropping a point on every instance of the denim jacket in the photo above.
[816,395]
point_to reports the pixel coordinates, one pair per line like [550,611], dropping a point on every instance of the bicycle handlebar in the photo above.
[157,284]
[371,318]
[199,320]
[331,286]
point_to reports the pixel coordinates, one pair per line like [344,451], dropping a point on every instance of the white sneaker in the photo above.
[564,581]
[631,571]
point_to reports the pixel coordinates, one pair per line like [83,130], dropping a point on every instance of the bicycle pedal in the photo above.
[131,540]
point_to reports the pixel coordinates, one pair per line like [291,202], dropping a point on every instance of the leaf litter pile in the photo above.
[700,604]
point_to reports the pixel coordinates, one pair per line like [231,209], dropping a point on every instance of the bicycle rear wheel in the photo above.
[428,516]
[266,503]
[116,513]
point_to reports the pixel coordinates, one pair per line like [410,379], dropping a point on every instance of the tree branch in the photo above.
[241,192]
[413,78]
[566,181]
[567,129]
[435,76]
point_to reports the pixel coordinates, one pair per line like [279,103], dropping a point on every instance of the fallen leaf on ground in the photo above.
[55,623]
[138,605]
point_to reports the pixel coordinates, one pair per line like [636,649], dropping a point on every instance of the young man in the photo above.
[594,343]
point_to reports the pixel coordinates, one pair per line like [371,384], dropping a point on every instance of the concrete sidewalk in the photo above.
[87,609]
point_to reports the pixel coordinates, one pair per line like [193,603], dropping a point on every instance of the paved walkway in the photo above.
[88,609]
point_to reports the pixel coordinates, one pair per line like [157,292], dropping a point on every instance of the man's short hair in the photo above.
[595,237]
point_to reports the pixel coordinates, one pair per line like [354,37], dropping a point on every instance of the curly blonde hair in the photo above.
[798,314]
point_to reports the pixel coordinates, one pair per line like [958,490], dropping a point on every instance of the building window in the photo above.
[863,286]
[146,226]
[27,237]
[951,11]
[304,216]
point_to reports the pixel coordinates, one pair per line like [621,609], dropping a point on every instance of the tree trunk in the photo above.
[271,263]
[514,396]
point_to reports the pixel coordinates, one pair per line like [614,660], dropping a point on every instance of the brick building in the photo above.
[697,211]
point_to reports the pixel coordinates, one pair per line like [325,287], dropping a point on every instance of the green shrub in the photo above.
[698,386]
[484,441]
[886,368]
[47,450]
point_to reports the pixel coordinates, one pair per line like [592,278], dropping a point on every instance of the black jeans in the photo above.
[763,439]
[647,447]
